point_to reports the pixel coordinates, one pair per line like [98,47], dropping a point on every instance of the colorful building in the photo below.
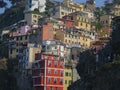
[32,17]
[19,39]
[74,5]
[68,36]
[48,72]
[30,52]
[67,76]
[106,20]
[81,20]
[64,8]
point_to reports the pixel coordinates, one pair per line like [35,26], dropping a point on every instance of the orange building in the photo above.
[47,31]
[48,72]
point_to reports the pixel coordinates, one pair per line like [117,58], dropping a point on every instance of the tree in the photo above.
[2,4]
[97,25]
[14,2]
[7,78]
[49,5]
[116,1]
[98,12]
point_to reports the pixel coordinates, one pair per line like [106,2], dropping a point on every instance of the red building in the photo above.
[48,72]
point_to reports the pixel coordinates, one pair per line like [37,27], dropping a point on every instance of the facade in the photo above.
[17,45]
[68,37]
[81,20]
[77,37]
[19,40]
[60,10]
[54,48]
[67,76]
[106,20]
[31,5]
[30,55]
[48,72]
[73,5]
[47,31]
[32,18]
[65,8]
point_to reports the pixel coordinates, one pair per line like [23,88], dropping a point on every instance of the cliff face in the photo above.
[12,15]
[107,78]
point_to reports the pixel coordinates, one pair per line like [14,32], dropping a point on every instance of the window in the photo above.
[66,40]
[61,72]
[17,44]
[55,71]
[34,16]
[65,81]
[34,71]
[55,63]
[62,13]
[70,82]
[17,38]
[21,38]
[26,37]
[49,63]
[61,64]
[56,88]
[81,24]
[11,51]
[86,25]
[61,81]
[55,80]
[49,71]
[66,73]
[34,21]
[51,88]
[49,80]
[69,41]
[16,50]
[69,74]
[55,47]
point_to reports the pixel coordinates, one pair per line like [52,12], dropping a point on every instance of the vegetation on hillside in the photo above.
[48,6]
[7,79]
[12,15]
[108,77]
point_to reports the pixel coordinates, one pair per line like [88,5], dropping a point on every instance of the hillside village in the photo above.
[57,45]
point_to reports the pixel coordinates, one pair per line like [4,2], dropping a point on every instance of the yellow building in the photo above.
[31,55]
[68,37]
[116,10]
[32,17]
[85,42]
[67,77]
[81,20]
[64,8]
[73,5]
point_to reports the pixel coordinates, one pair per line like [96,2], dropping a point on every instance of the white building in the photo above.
[31,5]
